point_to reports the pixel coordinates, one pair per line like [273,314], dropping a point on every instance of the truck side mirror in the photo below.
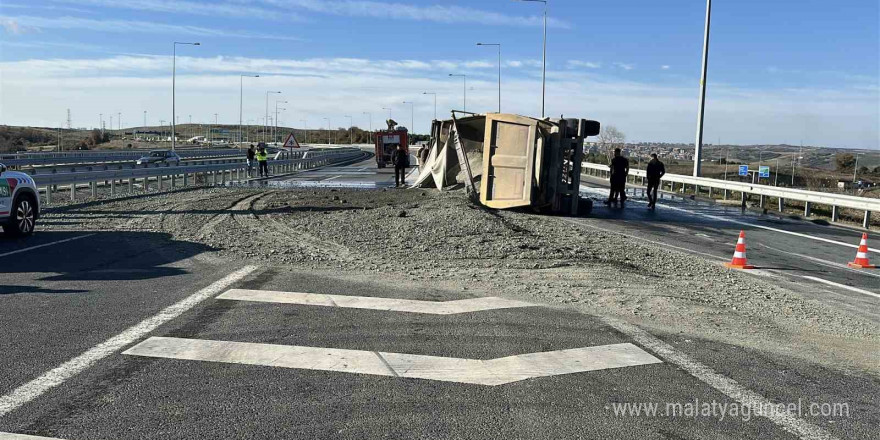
[590,128]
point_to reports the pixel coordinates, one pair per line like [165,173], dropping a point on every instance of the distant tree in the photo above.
[610,138]
[845,162]
[863,170]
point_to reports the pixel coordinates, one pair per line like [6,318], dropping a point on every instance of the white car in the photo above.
[19,202]
[157,156]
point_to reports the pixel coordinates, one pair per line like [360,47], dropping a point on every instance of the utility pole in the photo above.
[241,104]
[275,132]
[698,144]
[145,120]
[306,128]
[328,131]
[350,130]
[266,121]
[68,120]
[371,125]
[119,120]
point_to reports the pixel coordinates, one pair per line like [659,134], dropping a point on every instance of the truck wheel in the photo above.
[23,217]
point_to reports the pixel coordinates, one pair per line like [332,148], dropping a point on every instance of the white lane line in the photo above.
[11,436]
[825,262]
[331,178]
[742,223]
[471,371]
[373,303]
[758,404]
[634,237]
[842,286]
[45,244]
[65,371]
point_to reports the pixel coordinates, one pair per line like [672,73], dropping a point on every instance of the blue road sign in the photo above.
[743,170]
[764,171]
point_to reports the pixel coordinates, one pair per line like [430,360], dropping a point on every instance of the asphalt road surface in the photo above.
[130,335]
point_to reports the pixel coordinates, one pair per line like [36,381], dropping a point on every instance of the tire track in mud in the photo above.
[241,204]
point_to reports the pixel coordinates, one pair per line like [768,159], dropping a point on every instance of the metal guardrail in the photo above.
[836,201]
[213,171]
[30,159]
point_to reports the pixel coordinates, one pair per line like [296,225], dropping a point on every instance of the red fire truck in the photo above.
[387,141]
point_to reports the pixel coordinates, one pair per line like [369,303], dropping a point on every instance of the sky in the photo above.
[782,71]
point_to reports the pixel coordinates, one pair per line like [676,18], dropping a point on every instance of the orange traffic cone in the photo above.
[861,261]
[739,255]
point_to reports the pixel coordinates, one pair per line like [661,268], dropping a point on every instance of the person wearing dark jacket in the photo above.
[655,172]
[400,159]
[619,170]
[251,155]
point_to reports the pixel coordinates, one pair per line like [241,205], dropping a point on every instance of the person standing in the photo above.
[263,160]
[400,159]
[619,168]
[250,160]
[655,171]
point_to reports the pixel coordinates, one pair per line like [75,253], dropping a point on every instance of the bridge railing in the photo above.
[809,198]
[203,173]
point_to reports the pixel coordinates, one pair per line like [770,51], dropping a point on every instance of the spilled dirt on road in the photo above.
[403,237]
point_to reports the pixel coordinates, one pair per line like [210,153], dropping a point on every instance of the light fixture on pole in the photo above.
[698,144]
[544,57]
[266,121]
[499,70]
[435,102]
[464,77]
[174,87]
[275,132]
[412,113]
[241,103]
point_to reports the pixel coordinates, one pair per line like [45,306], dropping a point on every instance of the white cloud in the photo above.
[128,26]
[11,26]
[333,87]
[625,66]
[194,8]
[664,67]
[587,64]
[403,11]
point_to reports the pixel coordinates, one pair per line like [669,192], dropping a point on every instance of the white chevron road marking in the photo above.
[490,372]
[11,436]
[366,302]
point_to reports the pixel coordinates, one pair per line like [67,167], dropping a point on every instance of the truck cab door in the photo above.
[509,152]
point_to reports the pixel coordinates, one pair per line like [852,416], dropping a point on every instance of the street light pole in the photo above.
[350,131]
[544,57]
[266,121]
[275,132]
[241,104]
[328,131]
[499,70]
[412,114]
[371,125]
[698,144]
[435,102]
[174,87]
[464,77]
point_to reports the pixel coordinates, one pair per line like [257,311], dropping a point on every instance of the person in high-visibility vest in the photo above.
[263,160]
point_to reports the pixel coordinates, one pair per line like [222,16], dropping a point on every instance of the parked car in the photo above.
[160,156]
[19,202]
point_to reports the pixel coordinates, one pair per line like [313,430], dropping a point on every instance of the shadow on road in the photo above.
[96,255]
[9,290]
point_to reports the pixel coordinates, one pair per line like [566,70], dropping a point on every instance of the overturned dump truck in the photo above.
[510,161]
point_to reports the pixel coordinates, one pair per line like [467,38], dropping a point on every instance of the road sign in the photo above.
[743,170]
[764,171]
[291,142]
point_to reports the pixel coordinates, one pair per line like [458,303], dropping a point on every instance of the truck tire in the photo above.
[22,219]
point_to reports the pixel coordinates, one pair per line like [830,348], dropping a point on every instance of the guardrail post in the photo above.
[835,213]
[48,194]
[185,178]
[761,201]
[173,180]
[159,182]
[112,187]
[146,184]
[781,204]
[866,223]
[72,192]
[725,194]
[710,192]
[94,186]
[807,209]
